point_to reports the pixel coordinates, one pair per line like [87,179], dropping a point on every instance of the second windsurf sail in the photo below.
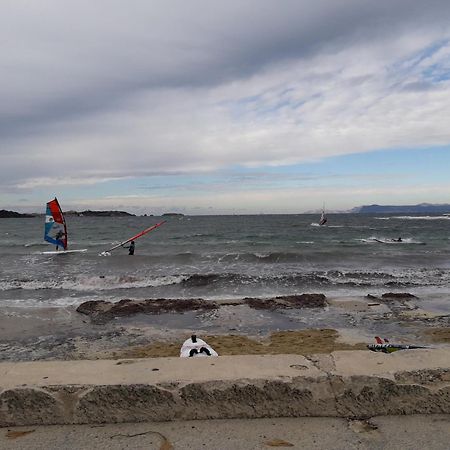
[137,236]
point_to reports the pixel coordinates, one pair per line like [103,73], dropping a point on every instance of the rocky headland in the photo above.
[89,213]
[4,214]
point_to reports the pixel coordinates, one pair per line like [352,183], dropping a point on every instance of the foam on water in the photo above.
[98,283]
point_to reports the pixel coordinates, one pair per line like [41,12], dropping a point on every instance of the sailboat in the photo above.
[55,230]
[323,218]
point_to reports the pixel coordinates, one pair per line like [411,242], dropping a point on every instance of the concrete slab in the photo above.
[354,384]
[153,370]
[387,365]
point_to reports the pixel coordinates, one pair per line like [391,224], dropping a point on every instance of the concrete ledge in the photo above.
[342,384]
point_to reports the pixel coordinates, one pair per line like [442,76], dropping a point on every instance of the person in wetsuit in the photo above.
[131,248]
[59,235]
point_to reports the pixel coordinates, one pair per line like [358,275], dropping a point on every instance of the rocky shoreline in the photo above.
[299,324]
[289,356]
[101,311]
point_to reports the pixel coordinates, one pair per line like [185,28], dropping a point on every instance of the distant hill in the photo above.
[90,213]
[4,214]
[424,208]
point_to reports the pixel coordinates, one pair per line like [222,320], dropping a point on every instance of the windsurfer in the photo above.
[130,248]
[59,235]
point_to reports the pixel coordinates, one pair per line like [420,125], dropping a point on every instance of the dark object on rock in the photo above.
[398,295]
[288,301]
[373,297]
[101,311]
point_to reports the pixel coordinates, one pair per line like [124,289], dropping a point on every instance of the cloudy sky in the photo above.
[224,107]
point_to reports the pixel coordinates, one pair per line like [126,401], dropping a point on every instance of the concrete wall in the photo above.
[343,384]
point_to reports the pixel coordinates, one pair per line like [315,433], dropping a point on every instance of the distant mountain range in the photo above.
[422,208]
[4,214]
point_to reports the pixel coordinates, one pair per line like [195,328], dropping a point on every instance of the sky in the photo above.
[205,107]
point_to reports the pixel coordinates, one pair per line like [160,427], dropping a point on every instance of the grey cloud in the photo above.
[92,57]
[67,67]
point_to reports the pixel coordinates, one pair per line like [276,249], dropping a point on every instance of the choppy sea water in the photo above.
[225,257]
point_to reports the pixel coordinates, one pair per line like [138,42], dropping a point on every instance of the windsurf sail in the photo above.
[55,225]
[323,217]
[137,236]
[384,346]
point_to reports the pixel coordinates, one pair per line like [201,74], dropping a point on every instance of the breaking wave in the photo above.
[443,217]
[324,279]
[98,283]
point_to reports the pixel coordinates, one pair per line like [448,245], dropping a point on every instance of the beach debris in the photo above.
[383,345]
[278,443]
[361,426]
[298,367]
[165,443]
[19,433]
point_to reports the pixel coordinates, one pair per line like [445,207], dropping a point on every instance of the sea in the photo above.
[225,257]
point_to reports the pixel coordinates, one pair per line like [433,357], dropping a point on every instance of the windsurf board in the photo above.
[197,348]
[63,252]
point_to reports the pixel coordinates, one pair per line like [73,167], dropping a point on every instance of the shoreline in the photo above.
[232,327]
[277,359]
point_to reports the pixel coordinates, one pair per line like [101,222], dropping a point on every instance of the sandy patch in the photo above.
[438,335]
[302,342]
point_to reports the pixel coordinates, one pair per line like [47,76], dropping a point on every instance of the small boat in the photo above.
[56,229]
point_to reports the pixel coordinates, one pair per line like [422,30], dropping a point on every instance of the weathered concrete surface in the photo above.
[342,384]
